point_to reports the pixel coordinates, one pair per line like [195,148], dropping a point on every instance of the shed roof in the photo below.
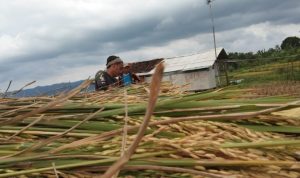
[192,62]
[144,66]
[188,62]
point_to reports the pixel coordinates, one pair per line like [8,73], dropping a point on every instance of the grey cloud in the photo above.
[190,20]
[70,43]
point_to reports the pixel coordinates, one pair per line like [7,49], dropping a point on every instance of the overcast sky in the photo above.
[54,41]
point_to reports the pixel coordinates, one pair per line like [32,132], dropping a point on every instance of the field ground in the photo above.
[279,73]
[247,130]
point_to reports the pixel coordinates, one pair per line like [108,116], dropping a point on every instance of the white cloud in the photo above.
[54,41]
[9,44]
[258,36]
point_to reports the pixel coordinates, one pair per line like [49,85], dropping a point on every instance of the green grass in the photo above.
[267,73]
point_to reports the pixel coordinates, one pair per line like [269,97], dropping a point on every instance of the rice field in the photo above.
[218,133]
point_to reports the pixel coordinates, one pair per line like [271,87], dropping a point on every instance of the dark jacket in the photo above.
[103,80]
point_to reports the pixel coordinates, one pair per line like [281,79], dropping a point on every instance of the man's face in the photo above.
[118,68]
[126,70]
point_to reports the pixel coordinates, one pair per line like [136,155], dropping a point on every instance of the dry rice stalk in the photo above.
[26,85]
[171,169]
[51,139]
[233,116]
[55,171]
[125,128]
[4,95]
[154,91]
[28,126]
[18,109]
[124,136]
[48,106]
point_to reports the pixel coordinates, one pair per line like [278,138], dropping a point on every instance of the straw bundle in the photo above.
[206,134]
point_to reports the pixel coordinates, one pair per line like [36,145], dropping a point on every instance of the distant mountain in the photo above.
[49,90]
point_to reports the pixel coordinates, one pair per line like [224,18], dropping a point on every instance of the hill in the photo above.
[49,90]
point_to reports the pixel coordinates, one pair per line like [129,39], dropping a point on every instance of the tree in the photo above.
[290,42]
[277,48]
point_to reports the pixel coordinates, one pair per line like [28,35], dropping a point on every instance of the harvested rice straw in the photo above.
[154,92]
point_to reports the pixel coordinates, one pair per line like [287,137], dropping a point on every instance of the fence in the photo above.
[260,71]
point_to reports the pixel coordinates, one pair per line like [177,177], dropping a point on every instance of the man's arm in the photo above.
[135,78]
[120,82]
[100,82]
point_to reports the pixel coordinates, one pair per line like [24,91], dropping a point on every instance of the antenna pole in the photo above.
[213,26]
[215,45]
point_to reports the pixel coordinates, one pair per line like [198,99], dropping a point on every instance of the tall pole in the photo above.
[213,26]
[214,36]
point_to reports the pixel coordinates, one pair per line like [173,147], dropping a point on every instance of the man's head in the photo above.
[114,65]
[126,68]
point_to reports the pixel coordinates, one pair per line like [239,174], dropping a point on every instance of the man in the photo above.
[128,77]
[107,79]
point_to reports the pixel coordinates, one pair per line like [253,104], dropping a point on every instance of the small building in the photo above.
[195,72]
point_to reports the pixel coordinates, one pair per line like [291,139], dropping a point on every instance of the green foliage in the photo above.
[290,42]
[289,51]
[274,64]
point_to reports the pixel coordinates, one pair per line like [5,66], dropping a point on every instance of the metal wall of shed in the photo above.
[191,81]
[213,74]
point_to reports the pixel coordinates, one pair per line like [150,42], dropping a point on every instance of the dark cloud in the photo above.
[60,42]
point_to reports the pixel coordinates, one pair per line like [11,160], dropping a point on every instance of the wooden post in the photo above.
[226,72]
[293,76]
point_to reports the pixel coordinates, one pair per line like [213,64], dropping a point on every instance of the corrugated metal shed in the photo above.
[192,72]
[189,62]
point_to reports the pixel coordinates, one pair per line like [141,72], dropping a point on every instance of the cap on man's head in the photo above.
[113,60]
[126,65]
